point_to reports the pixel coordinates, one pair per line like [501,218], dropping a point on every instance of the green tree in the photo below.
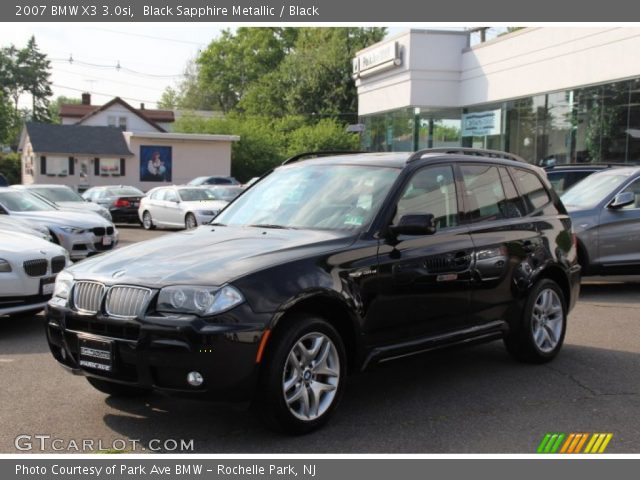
[6,119]
[35,76]
[10,167]
[233,62]
[54,107]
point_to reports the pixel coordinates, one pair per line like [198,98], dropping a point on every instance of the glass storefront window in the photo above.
[591,124]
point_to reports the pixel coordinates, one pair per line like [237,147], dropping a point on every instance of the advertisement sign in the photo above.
[378,59]
[479,124]
[155,164]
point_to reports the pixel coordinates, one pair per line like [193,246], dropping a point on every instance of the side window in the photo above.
[157,195]
[485,194]
[170,196]
[635,188]
[431,190]
[531,189]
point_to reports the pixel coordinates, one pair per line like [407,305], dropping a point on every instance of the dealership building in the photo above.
[550,95]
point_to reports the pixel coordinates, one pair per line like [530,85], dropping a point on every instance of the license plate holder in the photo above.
[95,353]
[106,241]
[47,285]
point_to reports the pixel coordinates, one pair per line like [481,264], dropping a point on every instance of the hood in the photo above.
[15,242]
[62,218]
[205,205]
[206,255]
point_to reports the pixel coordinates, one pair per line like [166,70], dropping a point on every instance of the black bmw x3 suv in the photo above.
[325,267]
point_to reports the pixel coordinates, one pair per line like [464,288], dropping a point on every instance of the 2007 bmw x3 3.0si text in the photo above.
[324,267]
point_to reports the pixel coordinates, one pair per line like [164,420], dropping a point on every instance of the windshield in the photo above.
[195,194]
[23,202]
[592,190]
[225,193]
[124,192]
[327,197]
[57,194]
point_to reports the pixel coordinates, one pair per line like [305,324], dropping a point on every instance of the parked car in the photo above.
[181,207]
[250,182]
[122,201]
[563,177]
[65,198]
[81,234]
[605,210]
[28,267]
[226,193]
[213,180]
[10,224]
[324,267]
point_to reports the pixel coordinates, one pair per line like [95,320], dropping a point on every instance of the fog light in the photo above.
[195,379]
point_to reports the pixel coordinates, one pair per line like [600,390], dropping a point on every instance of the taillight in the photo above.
[121,203]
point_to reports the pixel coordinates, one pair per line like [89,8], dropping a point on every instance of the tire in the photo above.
[190,221]
[117,389]
[26,314]
[147,221]
[305,411]
[539,334]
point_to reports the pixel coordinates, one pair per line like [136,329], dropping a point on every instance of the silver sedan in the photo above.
[178,207]
[81,234]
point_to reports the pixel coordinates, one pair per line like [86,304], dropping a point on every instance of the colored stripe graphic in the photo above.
[574,443]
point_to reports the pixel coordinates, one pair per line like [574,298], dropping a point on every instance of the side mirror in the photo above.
[414,225]
[622,200]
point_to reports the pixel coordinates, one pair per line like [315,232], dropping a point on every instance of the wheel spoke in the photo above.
[296,395]
[551,336]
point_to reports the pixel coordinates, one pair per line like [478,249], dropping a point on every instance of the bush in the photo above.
[11,167]
[265,142]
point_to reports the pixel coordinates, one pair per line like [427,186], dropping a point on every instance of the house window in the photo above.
[122,123]
[111,120]
[57,166]
[110,166]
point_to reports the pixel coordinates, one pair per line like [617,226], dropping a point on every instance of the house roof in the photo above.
[77,140]
[118,100]
[80,110]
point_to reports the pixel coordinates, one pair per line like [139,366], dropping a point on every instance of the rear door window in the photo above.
[531,189]
[484,193]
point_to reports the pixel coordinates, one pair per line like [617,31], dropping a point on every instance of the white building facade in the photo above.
[550,95]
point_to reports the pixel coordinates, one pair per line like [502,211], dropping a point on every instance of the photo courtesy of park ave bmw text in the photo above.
[316,239]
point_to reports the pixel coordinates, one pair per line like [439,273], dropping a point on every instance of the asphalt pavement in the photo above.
[475,400]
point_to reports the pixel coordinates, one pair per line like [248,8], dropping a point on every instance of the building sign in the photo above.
[155,164]
[381,58]
[480,124]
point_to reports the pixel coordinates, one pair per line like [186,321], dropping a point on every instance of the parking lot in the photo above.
[471,400]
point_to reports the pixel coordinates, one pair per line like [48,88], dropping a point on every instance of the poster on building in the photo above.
[155,163]
[480,124]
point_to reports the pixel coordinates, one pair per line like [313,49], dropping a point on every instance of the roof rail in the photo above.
[478,152]
[321,153]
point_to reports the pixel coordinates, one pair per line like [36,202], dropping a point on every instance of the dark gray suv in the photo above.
[605,210]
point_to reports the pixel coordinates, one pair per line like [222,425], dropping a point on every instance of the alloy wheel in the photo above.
[547,320]
[311,376]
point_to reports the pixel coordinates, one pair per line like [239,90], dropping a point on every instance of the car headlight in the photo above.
[208,212]
[199,300]
[105,214]
[73,230]
[5,266]
[62,288]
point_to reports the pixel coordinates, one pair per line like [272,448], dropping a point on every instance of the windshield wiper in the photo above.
[217,224]
[268,225]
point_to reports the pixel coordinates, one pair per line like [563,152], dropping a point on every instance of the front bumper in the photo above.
[82,245]
[158,352]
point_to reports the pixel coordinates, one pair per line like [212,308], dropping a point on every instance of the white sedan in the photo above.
[178,207]
[28,269]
